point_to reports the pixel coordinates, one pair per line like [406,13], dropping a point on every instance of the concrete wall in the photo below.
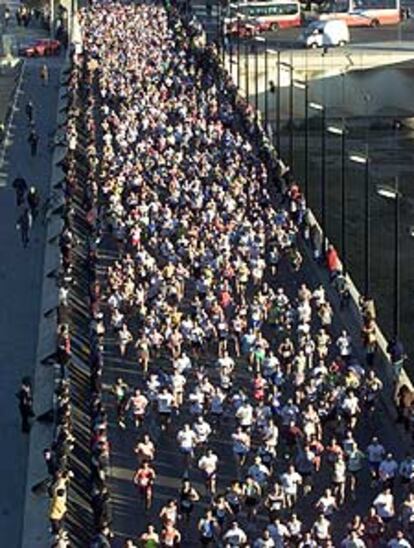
[348,83]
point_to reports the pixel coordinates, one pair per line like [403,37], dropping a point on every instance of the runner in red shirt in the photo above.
[374,529]
[144,478]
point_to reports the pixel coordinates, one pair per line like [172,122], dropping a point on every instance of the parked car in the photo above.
[40,48]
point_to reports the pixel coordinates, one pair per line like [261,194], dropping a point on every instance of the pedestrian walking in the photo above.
[7,16]
[57,510]
[44,74]
[24,395]
[24,224]
[20,186]
[33,140]
[29,109]
[33,201]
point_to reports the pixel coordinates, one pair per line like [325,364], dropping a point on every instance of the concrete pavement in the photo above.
[21,277]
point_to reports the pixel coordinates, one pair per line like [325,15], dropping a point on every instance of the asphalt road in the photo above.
[20,288]
[288,38]
[393,157]
[129,516]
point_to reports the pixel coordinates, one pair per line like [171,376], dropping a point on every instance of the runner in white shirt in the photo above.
[322,529]
[187,440]
[295,527]
[208,465]
[145,450]
[165,403]
[241,446]
[327,505]
[244,415]
[344,344]
[235,537]
[202,430]
[183,363]
[178,382]
[197,400]
[290,482]
[226,361]
[350,408]
[384,505]
[138,404]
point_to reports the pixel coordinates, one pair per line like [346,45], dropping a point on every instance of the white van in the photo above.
[321,34]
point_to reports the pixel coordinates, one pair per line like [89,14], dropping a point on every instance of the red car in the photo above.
[41,48]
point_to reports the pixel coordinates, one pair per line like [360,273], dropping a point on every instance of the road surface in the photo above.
[20,286]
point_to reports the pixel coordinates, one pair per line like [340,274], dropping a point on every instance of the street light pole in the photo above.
[342,133]
[397,284]
[367,232]
[304,86]
[257,40]
[395,194]
[321,109]
[306,140]
[291,117]
[256,80]
[229,38]
[278,102]
[323,175]
[266,97]
[218,25]
[238,51]
[289,68]
[360,159]
[246,70]
[343,201]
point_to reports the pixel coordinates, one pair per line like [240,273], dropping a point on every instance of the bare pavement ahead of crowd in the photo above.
[20,282]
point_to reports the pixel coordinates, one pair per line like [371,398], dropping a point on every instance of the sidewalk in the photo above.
[21,280]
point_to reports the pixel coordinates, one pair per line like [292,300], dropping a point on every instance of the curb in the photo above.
[4,145]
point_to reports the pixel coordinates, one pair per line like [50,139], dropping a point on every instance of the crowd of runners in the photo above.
[199,229]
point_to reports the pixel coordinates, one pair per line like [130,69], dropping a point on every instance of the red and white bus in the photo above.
[248,19]
[362,13]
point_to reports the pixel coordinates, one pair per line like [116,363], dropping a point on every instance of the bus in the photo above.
[362,13]
[249,19]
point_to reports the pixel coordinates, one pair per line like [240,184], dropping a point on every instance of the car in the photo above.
[323,34]
[244,28]
[41,48]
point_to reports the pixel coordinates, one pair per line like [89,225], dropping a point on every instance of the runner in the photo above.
[144,479]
